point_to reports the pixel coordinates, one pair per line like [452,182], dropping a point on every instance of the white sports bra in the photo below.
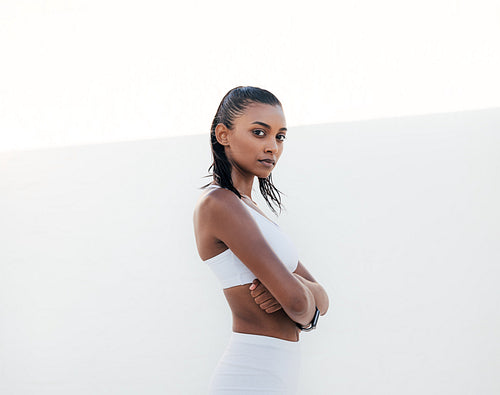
[231,271]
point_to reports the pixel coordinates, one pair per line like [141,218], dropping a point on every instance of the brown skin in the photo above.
[271,305]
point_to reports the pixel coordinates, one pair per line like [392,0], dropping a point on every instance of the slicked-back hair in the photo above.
[233,105]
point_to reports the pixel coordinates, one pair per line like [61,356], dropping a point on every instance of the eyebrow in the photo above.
[267,126]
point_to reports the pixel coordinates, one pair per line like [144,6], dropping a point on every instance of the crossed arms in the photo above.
[268,302]
[297,293]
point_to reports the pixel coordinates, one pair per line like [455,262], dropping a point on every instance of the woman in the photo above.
[269,291]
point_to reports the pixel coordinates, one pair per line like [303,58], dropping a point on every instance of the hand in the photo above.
[263,297]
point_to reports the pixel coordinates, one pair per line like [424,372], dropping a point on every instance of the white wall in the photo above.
[77,72]
[102,290]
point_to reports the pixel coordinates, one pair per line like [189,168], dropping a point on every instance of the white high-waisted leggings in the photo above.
[255,364]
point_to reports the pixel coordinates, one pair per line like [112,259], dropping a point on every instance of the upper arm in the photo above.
[232,224]
[303,272]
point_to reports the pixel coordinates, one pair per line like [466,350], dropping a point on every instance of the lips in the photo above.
[267,161]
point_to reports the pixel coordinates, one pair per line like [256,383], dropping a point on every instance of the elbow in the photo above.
[323,302]
[300,304]
[325,306]
[301,307]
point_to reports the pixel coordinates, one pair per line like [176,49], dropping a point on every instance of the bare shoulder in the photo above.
[204,215]
[212,202]
[210,219]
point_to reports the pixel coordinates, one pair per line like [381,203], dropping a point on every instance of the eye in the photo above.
[255,131]
[283,137]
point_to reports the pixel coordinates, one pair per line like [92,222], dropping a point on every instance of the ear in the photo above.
[222,134]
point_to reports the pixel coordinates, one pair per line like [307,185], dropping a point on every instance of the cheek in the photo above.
[280,151]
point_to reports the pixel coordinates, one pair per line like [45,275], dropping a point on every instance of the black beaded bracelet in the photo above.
[312,324]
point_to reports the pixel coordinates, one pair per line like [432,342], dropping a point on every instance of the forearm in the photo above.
[318,292]
[302,311]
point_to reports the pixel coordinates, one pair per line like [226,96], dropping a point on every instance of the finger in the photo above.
[268,304]
[264,297]
[257,292]
[254,284]
[260,289]
[273,309]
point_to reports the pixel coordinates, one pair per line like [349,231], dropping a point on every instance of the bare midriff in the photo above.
[248,317]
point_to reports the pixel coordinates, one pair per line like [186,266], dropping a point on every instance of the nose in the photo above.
[272,146]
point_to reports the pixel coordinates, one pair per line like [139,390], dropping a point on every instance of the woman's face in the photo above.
[256,136]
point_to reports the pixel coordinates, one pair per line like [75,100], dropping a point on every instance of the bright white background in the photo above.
[78,71]
[398,218]
[102,290]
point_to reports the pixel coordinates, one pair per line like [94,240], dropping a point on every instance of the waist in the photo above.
[265,341]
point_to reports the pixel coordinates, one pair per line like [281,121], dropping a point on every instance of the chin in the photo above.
[264,175]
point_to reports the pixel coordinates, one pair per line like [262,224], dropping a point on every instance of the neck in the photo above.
[243,183]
